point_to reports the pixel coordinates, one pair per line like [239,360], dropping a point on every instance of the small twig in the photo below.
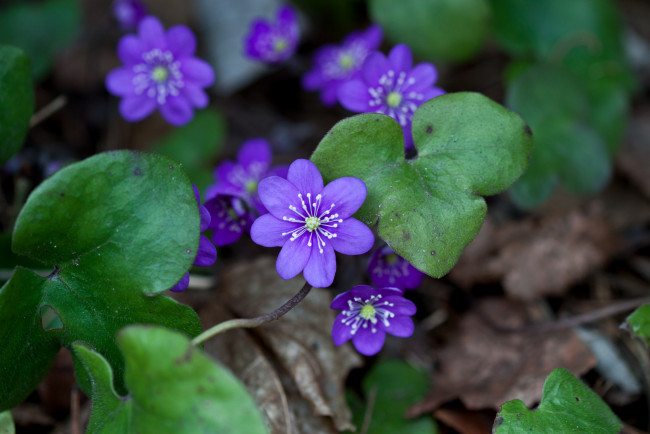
[367,416]
[50,108]
[253,322]
[564,323]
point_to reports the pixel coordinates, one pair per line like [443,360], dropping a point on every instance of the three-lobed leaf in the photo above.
[567,406]
[430,207]
[16,100]
[173,388]
[116,228]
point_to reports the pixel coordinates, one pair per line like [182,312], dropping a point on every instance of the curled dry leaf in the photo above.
[485,368]
[299,357]
[569,247]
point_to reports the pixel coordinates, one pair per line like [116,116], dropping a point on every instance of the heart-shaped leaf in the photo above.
[639,322]
[429,207]
[6,423]
[16,100]
[567,406]
[173,388]
[115,227]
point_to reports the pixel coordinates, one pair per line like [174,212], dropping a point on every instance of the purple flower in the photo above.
[230,219]
[207,254]
[273,42]
[391,86]
[386,268]
[333,65]
[129,13]
[160,71]
[241,178]
[310,222]
[368,314]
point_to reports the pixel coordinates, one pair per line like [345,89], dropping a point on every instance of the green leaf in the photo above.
[447,30]
[16,100]
[639,322]
[567,149]
[6,423]
[116,227]
[196,146]
[173,388]
[41,29]
[395,386]
[429,207]
[568,406]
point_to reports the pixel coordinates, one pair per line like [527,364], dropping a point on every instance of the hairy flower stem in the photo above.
[253,322]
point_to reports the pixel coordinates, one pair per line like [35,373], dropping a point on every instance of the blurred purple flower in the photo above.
[273,42]
[241,178]
[207,254]
[368,314]
[392,86]
[310,222]
[129,13]
[160,71]
[333,65]
[230,219]
[386,268]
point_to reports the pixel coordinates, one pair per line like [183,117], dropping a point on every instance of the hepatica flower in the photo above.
[207,254]
[333,65]
[392,86]
[310,222]
[230,219]
[386,268]
[129,13]
[160,72]
[241,178]
[273,42]
[367,314]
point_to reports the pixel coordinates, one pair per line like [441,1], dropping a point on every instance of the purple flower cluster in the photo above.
[273,42]
[386,268]
[230,219]
[129,13]
[310,222]
[207,253]
[392,86]
[367,314]
[333,65]
[160,72]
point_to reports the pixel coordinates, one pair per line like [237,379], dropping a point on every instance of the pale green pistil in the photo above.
[367,311]
[346,61]
[390,259]
[393,99]
[312,223]
[280,44]
[251,186]
[160,74]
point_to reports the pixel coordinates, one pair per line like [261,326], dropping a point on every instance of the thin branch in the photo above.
[574,321]
[52,107]
[253,322]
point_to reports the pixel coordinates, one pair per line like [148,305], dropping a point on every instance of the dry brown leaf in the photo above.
[300,341]
[465,421]
[485,368]
[634,158]
[537,259]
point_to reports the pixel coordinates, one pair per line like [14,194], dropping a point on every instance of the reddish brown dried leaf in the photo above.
[485,368]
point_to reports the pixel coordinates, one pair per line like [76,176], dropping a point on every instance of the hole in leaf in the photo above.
[50,319]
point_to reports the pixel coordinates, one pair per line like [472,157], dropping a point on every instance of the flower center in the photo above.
[280,44]
[158,76]
[393,99]
[346,61]
[312,221]
[251,186]
[390,259]
[367,311]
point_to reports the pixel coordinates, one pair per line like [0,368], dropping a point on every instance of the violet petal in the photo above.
[304,175]
[400,58]
[120,81]
[267,231]
[368,343]
[293,257]
[277,194]
[352,237]
[136,107]
[176,110]
[152,33]
[400,326]
[347,194]
[182,284]
[130,49]
[181,41]
[255,155]
[321,268]
[198,71]
[354,96]
[207,254]
[340,332]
